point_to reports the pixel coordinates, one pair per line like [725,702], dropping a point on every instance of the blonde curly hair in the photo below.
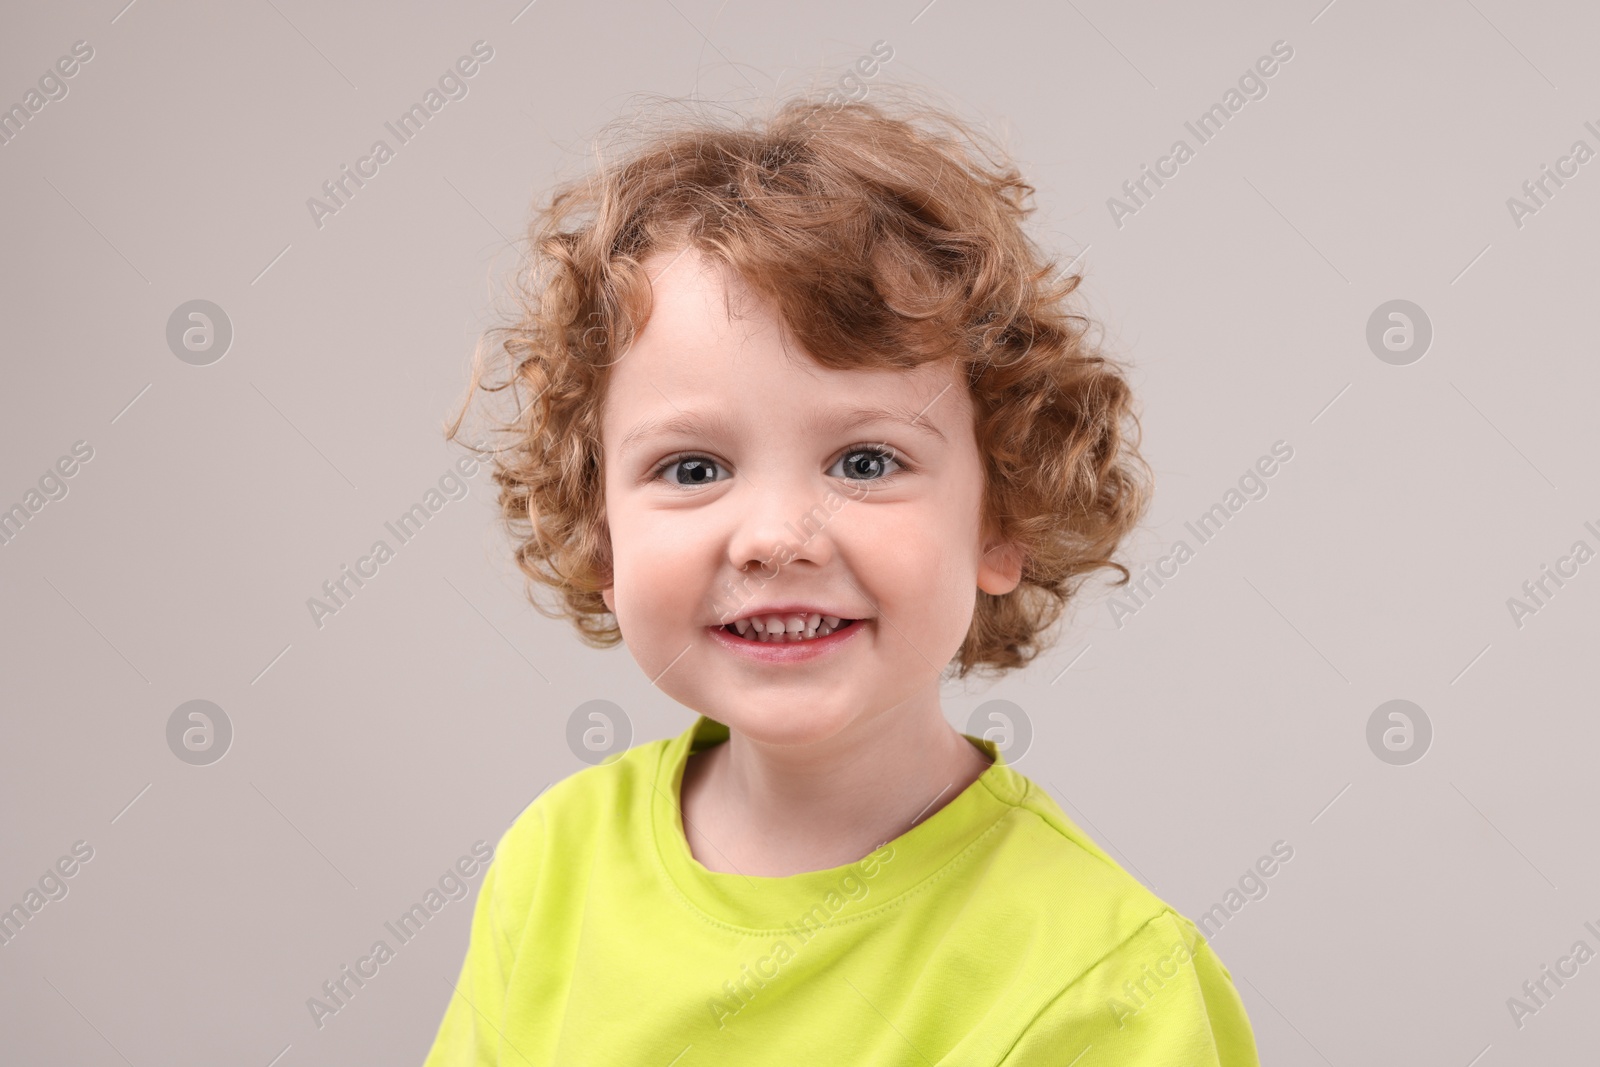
[884,241]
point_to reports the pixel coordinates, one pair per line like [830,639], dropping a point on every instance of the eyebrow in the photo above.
[692,423]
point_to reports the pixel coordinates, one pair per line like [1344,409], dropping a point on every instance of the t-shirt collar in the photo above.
[757,902]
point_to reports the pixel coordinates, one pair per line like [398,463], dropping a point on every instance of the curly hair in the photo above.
[884,241]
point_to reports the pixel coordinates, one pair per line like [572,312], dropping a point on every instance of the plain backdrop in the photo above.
[1229,712]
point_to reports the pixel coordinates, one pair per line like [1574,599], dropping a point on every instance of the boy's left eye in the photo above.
[859,463]
[878,457]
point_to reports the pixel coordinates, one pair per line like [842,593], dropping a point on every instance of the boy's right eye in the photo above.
[696,470]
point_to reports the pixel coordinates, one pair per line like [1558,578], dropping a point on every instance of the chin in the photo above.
[785,726]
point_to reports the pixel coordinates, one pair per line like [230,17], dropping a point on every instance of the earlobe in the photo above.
[1000,569]
[609,597]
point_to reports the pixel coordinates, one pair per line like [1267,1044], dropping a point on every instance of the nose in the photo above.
[784,520]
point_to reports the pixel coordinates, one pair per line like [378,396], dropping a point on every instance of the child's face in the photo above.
[899,541]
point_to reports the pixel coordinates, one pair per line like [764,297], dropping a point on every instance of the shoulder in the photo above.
[575,811]
[593,796]
[1160,997]
[1075,884]
[1130,971]
[565,827]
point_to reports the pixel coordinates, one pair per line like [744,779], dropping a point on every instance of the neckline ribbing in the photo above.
[843,893]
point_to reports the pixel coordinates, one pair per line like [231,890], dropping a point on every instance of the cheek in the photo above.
[660,562]
[935,564]
[921,566]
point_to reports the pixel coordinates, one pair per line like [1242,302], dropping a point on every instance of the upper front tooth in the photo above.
[812,621]
[795,624]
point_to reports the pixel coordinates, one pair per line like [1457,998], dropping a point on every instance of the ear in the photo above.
[1000,568]
[608,594]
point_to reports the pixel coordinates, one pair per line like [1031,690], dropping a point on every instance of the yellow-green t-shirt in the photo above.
[992,932]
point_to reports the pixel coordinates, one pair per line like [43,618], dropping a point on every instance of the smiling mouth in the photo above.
[792,629]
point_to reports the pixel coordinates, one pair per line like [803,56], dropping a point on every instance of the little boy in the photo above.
[804,420]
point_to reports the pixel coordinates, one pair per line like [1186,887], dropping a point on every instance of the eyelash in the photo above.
[884,451]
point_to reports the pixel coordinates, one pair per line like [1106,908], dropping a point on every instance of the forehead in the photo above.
[711,342]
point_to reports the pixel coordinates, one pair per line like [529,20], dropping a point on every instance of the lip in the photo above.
[777,652]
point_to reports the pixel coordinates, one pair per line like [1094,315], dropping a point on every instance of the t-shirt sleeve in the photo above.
[472,1031]
[1161,998]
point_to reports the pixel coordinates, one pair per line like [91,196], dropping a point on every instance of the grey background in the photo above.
[1231,712]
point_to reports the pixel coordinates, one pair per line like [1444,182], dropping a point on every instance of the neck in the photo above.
[774,809]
